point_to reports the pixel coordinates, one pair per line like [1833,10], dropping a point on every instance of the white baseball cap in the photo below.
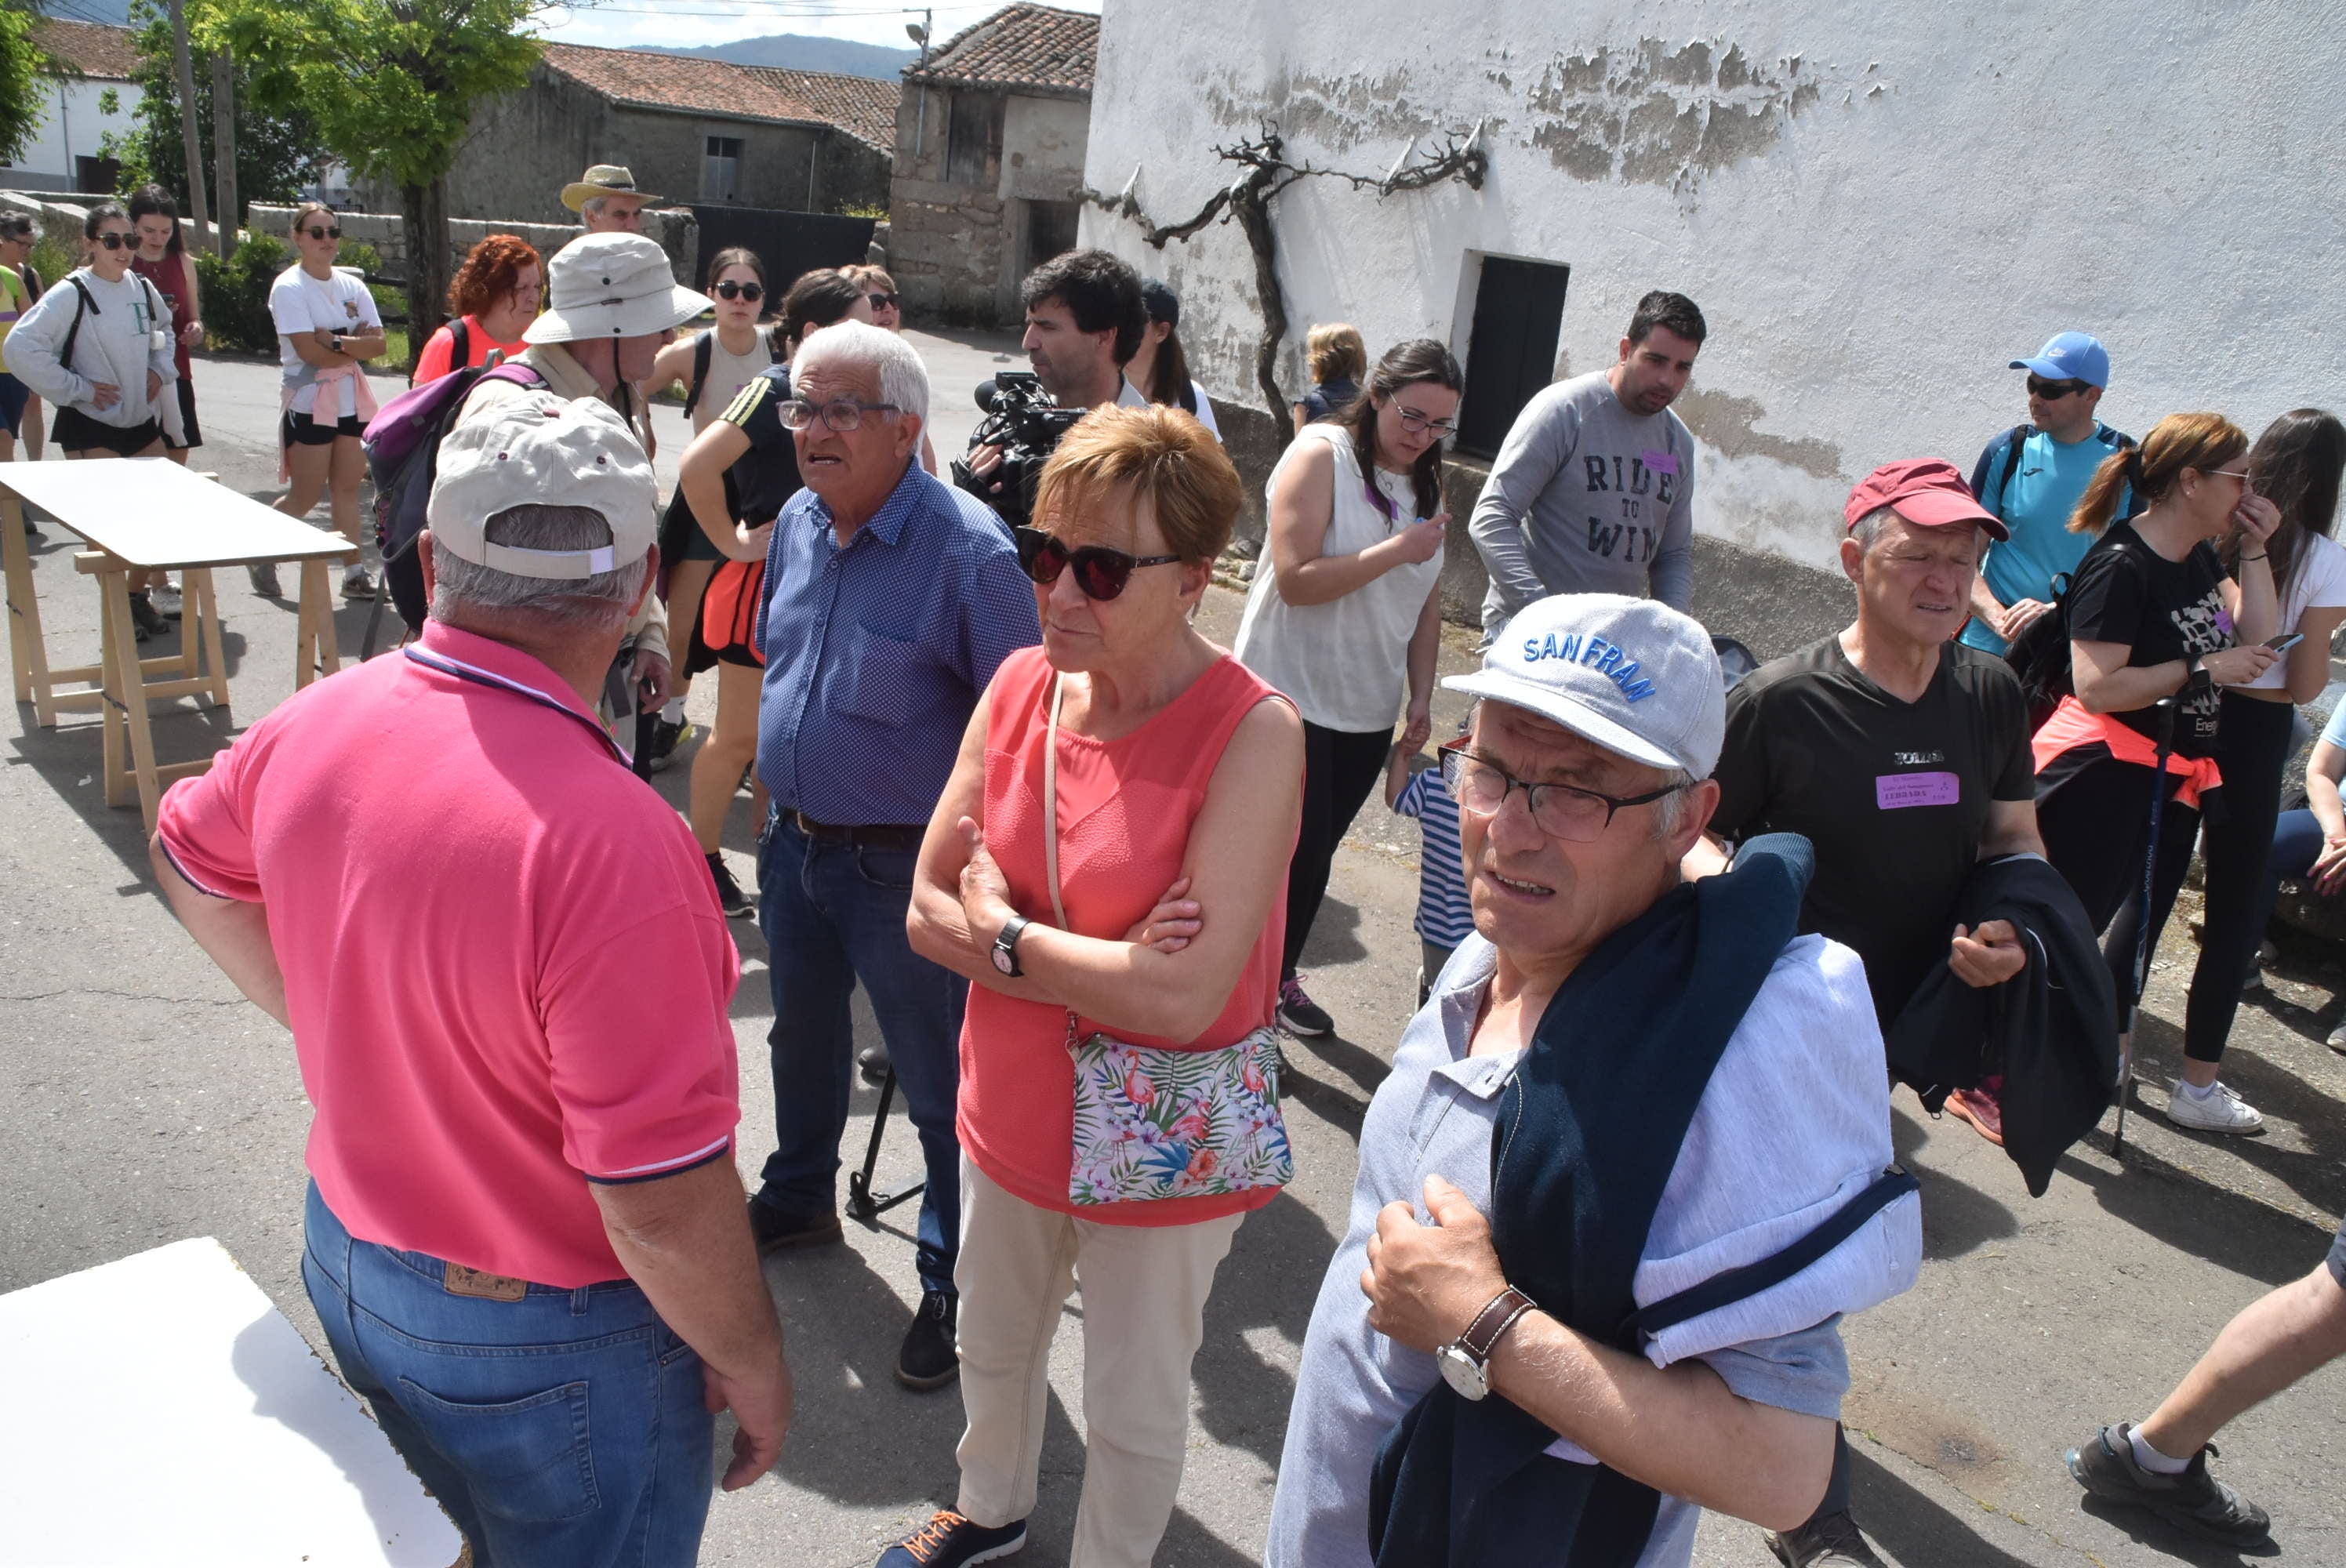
[545,451]
[612,286]
[1632,676]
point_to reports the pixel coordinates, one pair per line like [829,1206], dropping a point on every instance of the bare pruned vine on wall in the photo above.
[1265,171]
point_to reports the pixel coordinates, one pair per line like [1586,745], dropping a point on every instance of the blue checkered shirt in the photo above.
[876,652]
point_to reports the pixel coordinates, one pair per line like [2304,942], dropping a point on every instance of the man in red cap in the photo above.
[1902,757]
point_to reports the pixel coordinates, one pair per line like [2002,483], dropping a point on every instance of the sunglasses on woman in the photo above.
[119,241]
[882,302]
[753,293]
[331,232]
[1101,573]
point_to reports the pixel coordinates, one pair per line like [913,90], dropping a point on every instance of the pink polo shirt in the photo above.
[506,966]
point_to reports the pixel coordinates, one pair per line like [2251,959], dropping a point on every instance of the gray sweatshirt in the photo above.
[1586,498]
[121,338]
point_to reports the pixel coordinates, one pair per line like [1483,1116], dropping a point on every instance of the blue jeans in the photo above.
[834,914]
[489,1402]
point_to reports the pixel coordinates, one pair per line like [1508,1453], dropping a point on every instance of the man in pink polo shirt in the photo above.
[507,979]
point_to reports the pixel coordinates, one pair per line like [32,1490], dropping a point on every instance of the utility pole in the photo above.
[920,32]
[224,147]
[185,68]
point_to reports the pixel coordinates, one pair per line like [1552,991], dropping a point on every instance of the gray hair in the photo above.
[1868,528]
[1670,810]
[464,590]
[861,346]
[592,207]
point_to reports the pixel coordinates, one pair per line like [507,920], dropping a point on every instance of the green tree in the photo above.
[392,85]
[276,153]
[23,73]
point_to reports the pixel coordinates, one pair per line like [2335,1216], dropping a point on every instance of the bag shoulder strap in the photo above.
[2013,444]
[701,351]
[1735,1285]
[1051,799]
[82,301]
[460,344]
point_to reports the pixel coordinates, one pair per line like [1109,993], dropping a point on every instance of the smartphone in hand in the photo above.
[2286,641]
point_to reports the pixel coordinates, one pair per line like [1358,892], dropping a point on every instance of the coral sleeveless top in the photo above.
[1125,808]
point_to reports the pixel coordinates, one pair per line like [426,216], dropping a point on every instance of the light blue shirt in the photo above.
[1794,1122]
[2035,504]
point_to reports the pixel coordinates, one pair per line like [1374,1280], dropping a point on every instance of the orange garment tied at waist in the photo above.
[2072,726]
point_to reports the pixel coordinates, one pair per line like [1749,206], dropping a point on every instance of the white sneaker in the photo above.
[356,583]
[2337,1041]
[166,599]
[2221,1111]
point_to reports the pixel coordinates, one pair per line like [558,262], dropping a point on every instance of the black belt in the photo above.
[870,835]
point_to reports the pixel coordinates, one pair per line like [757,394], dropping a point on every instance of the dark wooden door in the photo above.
[1511,349]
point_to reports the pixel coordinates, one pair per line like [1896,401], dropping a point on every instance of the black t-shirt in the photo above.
[2127,592]
[1894,795]
[766,477]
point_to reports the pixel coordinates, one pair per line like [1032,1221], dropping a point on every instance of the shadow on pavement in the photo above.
[2149,1529]
[1335,936]
[2235,1232]
[1912,1528]
[1956,1216]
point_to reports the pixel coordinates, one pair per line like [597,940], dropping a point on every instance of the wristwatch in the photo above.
[2198,680]
[1006,947]
[1465,1360]
[336,340]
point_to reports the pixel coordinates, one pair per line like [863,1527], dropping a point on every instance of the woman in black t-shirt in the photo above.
[2152,615]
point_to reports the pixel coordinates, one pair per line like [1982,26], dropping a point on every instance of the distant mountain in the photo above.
[799,52]
[107,13]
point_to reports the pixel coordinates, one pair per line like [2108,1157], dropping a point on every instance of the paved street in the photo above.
[146,1103]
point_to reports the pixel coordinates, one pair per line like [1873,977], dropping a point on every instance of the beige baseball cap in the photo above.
[612,286]
[545,451]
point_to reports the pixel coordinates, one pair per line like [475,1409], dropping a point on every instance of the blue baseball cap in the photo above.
[2071,356]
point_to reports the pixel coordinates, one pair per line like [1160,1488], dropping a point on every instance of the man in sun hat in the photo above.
[1705,1080]
[519,1054]
[611,304]
[1902,758]
[606,200]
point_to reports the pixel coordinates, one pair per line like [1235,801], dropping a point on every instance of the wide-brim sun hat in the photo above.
[611,286]
[605,180]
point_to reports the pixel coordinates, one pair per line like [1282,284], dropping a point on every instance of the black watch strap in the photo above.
[1005,945]
[2199,679]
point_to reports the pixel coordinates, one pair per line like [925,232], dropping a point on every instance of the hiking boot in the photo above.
[166,601]
[949,1540]
[1297,1013]
[873,1063]
[356,583]
[2221,1111]
[2193,1500]
[1981,1109]
[147,617]
[264,579]
[729,896]
[1828,1541]
[927,1360]
[774,1231]
[666,738]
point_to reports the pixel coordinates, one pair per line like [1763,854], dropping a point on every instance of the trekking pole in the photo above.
[2165,708]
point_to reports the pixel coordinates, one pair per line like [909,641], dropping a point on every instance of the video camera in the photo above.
[1021,420]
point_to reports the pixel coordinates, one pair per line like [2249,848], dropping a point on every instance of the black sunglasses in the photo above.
[753,293]
[882,302]
[1101,573]
[117,242]
[329,233]
[2051,392]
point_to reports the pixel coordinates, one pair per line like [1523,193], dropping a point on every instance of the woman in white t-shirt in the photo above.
[2295,464]
[327,329]
[1346,611]
[1159,368]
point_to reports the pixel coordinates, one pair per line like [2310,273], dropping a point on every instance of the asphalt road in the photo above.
[146,1103]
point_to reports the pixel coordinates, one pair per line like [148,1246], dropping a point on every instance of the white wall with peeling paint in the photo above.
[1877,208]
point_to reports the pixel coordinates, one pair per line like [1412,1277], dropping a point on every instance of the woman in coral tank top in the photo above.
[1106,866]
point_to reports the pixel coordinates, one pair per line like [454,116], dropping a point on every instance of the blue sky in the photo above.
[629,23]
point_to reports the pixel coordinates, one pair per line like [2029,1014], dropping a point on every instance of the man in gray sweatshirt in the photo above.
[1593,490]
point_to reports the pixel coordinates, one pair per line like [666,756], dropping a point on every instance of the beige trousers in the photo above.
[1145,1290]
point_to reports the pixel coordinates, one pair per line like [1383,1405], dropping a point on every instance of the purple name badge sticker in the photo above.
[1659,462]
[1896,791]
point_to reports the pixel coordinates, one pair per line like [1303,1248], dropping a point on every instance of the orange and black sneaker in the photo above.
[949,1540]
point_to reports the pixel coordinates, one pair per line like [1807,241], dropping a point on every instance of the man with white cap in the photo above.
[508,984]
[1623,1086]
[606,200]
[611,304]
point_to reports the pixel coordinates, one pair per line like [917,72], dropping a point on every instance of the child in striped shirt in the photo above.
[1414,787]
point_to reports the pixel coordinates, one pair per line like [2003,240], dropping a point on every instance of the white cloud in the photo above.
[642,24]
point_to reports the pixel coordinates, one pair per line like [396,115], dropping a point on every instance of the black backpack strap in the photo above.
[82,301]
[702,352]
[1741,1284]
[460,344]
[2013,442]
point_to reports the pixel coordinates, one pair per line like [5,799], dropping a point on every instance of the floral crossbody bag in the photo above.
[1152,1122]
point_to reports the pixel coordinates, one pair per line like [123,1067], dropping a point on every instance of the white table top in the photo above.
[151,512]
[160,1409]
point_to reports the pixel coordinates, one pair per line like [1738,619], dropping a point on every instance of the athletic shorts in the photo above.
[14,395]
[301,430]
[188,425]
[75,431]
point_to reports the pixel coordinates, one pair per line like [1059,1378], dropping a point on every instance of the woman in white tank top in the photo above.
[1345,616]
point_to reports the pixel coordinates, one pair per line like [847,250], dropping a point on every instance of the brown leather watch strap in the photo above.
[1482,1336]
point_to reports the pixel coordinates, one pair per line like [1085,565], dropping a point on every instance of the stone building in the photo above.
[694,130]
[66,152]
[990,148]
[1876,208]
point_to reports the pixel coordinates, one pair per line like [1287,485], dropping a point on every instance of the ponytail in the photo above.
[2205,441]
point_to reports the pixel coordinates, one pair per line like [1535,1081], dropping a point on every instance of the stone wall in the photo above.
[677,231]
[957,250]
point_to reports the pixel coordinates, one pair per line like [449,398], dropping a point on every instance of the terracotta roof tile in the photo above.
[88,49]
[860,106]
[695,84]
[1022,47]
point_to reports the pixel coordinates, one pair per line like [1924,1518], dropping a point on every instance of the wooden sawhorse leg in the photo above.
[315,651]
[29,655]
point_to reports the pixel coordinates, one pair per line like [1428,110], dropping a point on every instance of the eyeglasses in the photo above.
[753,293]
[882,302]
[1562,811]
[1101,573]
[841,414]
[117,242]
[1412,422]
[330,232]
[2054,391]
[2240,474]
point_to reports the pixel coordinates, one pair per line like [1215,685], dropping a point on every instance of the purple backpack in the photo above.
[402,454]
